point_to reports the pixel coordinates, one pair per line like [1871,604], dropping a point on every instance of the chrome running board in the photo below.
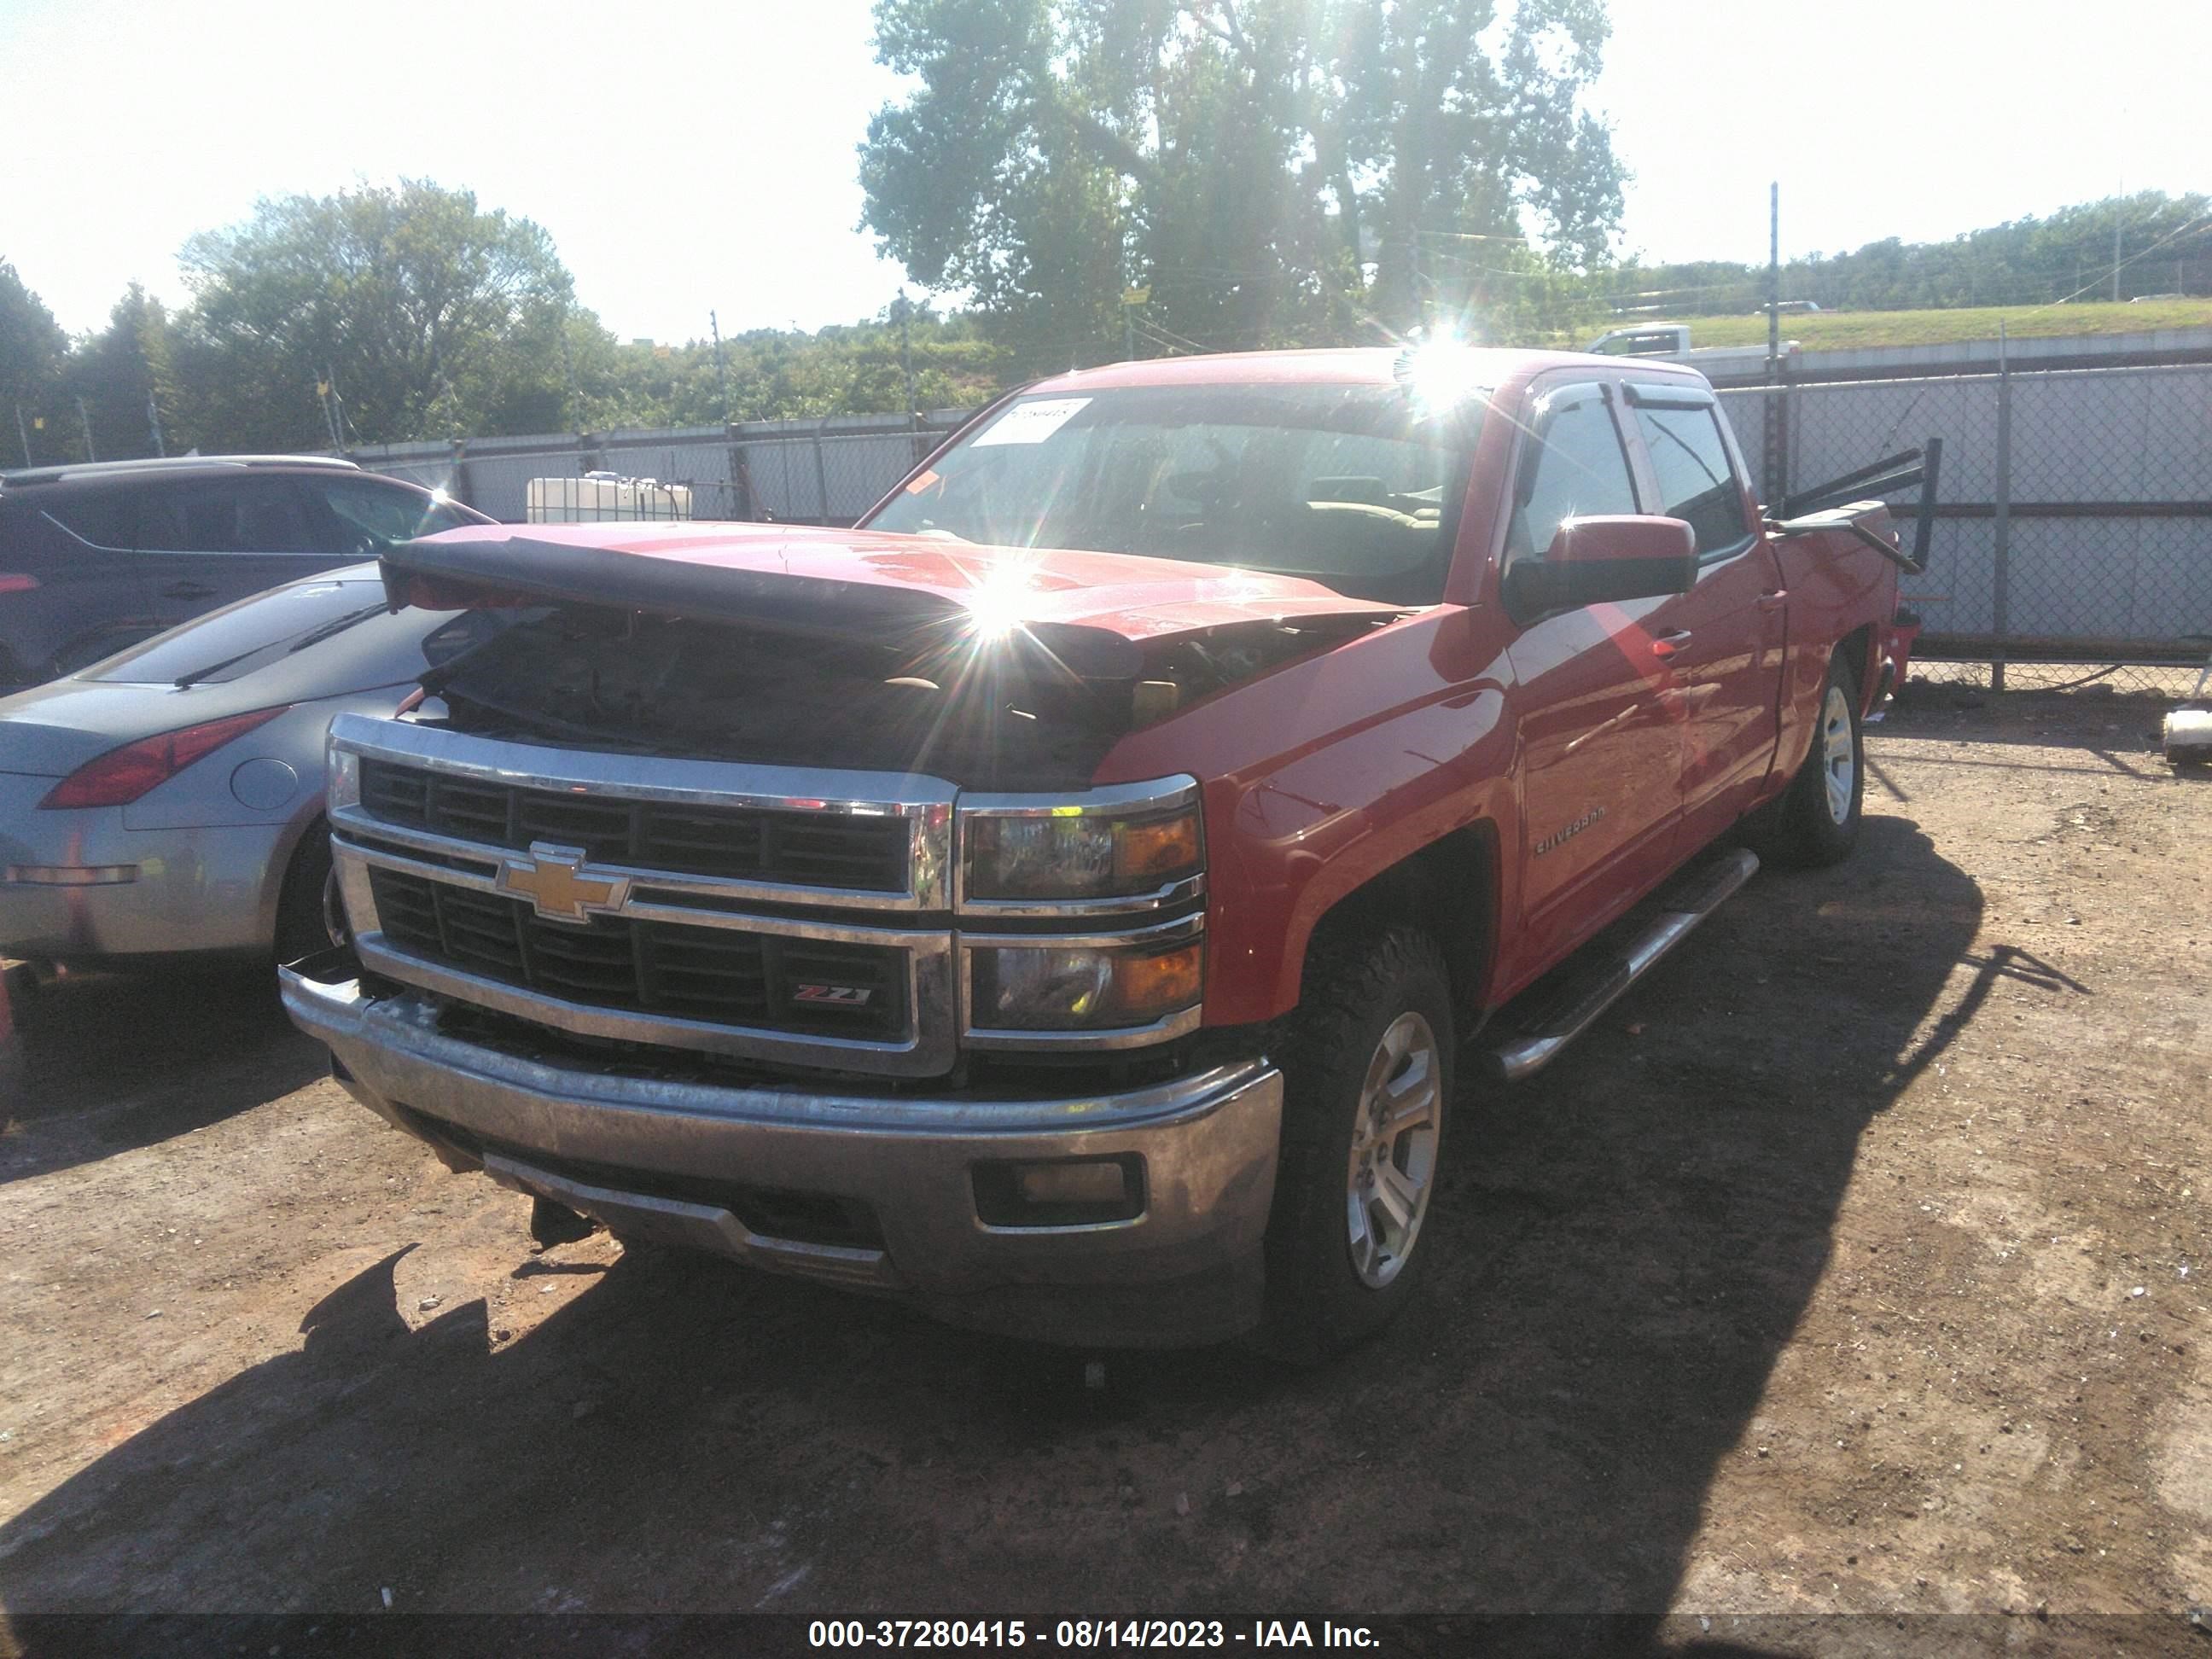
[1565,1014]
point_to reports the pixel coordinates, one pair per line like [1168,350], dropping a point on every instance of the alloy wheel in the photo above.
[1392,1162]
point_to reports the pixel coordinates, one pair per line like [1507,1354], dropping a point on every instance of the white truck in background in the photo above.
[1671,341]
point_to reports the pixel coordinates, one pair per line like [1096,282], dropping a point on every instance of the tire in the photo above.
[309,917]
[1373,1025]
[1815,822]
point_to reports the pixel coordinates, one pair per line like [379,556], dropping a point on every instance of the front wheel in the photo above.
[1368,1080]
[310,913]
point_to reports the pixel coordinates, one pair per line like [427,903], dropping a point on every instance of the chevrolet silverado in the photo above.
[1069,900]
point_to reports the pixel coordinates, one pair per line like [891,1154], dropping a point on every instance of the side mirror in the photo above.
[1595,561]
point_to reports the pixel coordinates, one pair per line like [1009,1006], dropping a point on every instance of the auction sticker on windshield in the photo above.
[1030,424]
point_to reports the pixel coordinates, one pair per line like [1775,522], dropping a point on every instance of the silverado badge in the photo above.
[1568,834]
[552,879]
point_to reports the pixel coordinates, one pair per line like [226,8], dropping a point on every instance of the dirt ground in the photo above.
[1856,1263]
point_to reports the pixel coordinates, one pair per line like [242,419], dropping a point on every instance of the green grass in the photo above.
[1846,331]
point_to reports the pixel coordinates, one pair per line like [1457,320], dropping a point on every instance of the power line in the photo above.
[2118,266]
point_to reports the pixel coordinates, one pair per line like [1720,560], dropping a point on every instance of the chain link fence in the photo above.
[2072,541]
[828,471]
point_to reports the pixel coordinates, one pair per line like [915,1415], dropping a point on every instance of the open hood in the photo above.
[1096,611]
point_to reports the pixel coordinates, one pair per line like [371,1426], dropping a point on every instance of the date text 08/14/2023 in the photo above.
[1085,1634]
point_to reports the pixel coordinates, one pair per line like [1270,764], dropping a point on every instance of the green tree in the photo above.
[32,347]
[428,317]
[121,371]
[1271,170]
[2164,246]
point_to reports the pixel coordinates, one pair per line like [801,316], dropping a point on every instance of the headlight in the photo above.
[1090,851]
[1047,987]
[343,778]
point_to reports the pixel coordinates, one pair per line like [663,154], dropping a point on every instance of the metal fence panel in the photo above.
[499,484]
[2089,527]
[810,478]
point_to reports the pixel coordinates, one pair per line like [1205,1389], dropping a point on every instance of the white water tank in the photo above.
[603,498]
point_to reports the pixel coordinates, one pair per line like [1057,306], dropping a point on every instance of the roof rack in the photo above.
[41,475]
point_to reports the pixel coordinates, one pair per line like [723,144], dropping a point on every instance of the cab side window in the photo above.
[1696,481]
[1578,469]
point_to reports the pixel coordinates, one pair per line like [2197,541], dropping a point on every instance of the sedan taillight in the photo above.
[121,775]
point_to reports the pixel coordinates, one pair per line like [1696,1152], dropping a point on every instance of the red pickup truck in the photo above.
[1073,900]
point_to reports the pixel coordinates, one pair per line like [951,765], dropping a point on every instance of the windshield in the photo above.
[1350,485]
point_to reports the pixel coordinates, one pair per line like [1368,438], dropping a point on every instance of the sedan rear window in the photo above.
[229,643]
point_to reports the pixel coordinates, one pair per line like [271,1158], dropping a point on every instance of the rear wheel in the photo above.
[1368,1084]
[1816,821]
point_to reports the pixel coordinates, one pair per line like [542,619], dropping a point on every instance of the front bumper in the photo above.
[683,1161]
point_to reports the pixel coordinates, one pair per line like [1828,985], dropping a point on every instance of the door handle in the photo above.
[188,590]
[1667,644]
[1775,600]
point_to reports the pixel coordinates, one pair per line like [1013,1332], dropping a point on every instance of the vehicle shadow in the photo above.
[115,1061]
[1623,1247]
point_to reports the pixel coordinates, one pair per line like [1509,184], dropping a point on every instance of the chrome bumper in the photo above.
[1185,1270]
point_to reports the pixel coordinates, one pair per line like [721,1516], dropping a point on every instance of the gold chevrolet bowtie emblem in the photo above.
[553,880]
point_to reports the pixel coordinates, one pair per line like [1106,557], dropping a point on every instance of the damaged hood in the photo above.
[1096,611]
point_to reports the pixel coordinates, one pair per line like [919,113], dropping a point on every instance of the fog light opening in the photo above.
[1068,1192]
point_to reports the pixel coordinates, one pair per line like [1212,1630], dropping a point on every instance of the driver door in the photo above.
[1600,742]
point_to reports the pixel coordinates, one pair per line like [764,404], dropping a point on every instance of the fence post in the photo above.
[458,489]
[741,477]
[821,472]
[2000,596]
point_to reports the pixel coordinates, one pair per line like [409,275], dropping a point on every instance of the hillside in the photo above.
[1845,331]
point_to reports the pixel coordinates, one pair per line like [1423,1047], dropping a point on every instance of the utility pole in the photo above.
[84,425]
[721,379]
[22,436]
[2119,207]
[568,375]
[1777,411]
[906,356]
[1130,299]
[154,420]
[326,389]
[1773,278]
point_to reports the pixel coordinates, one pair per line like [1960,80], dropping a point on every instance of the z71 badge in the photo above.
[850,996]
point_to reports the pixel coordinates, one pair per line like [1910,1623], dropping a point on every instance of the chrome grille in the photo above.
[801,849]
[721,975]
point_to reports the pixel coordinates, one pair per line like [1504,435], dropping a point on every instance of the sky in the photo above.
[688,156]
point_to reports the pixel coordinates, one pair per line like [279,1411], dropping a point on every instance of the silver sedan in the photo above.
[169,800]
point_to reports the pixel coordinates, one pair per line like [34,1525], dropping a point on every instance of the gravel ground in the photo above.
[1856,1263]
